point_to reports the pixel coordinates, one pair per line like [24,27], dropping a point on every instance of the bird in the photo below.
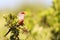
[21,16]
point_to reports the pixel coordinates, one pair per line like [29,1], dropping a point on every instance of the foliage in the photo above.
[41,24]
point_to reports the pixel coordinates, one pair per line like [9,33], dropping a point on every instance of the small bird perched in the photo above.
[16,25]
[21,18]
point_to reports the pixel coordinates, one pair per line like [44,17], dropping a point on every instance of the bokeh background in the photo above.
[42,18]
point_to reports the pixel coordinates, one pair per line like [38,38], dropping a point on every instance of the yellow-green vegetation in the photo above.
[41,24]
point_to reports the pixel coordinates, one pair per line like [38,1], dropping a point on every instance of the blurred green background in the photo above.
[43,23]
